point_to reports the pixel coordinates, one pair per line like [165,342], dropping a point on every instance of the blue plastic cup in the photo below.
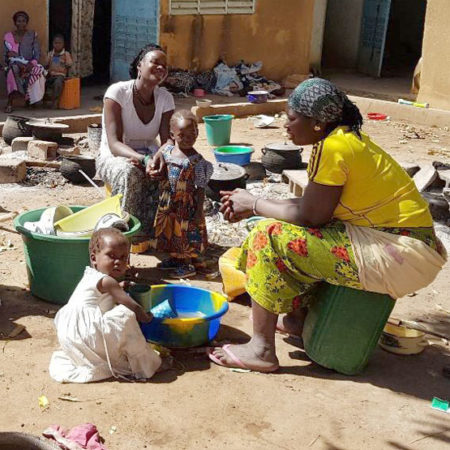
[164,310]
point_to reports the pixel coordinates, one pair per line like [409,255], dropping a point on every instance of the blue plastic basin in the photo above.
[235,154]
[184,332]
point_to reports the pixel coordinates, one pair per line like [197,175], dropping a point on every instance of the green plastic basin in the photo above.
[56,264]
[343,326]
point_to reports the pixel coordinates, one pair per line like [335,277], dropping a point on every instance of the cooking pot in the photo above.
[226,177]
[15,126]
[46,130]
[279,156]
[71,166]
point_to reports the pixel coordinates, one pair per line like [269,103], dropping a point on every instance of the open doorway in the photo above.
[60,21]
[404,37]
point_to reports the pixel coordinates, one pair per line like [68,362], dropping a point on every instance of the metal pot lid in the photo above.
[283,146]
[227,171]
[47,125]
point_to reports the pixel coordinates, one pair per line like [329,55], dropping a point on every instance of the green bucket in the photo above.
[218,129]
[56,264]
[343,326]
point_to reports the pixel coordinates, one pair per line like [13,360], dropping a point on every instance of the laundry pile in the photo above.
[223,80]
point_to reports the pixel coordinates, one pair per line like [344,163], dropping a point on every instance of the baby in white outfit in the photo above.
[98,329]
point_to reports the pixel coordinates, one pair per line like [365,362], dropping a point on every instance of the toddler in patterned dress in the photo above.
[180,227]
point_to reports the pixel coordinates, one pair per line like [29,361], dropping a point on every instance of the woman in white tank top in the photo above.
[136,113]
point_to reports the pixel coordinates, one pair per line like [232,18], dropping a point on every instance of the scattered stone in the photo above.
[44,150]
[424,177]
[438,206]
[20,143]
[12,170]
[410,168]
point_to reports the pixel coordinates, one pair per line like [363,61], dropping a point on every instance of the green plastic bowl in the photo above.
[56,264]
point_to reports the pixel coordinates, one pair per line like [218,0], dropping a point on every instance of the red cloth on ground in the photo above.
[85,436]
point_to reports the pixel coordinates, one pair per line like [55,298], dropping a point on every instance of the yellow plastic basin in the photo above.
[87,218]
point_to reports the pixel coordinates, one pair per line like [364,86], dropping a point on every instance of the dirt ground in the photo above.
[200,405]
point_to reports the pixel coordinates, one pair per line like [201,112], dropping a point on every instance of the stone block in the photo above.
[12,170]
[43,150]
[425,177]
[69,151]
[297,179]
[20,143]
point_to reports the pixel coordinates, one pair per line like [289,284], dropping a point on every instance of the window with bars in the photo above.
[179,7]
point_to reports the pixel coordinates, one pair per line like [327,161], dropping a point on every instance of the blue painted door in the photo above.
[134,24]
[373,36]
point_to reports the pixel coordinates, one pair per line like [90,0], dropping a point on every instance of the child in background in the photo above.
[58,63]
[180,227]
[98,329]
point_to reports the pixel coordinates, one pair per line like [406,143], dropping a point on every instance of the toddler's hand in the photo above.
[144,317]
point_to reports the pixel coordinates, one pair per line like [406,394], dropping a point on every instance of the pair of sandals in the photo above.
[178,269]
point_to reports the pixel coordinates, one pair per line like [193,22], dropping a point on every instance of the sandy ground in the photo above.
[200,405]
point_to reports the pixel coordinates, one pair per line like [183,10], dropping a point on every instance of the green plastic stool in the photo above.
[343,326]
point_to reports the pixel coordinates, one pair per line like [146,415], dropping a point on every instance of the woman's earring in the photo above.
[317,128]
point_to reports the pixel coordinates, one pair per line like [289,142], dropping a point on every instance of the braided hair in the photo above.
[97,239]
[140,56]
[351,117]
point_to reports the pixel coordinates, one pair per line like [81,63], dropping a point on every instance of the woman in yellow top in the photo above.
[361,223]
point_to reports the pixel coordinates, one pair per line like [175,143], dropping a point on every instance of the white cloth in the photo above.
[136,134]
[393,264]
[99,339]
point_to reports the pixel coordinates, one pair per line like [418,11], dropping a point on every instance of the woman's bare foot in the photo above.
[292,323]
[255,355]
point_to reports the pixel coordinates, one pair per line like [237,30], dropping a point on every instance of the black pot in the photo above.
[280,156]
[226,177]
[71,166]
[15,126]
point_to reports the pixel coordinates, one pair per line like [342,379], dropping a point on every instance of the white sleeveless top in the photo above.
[136,134]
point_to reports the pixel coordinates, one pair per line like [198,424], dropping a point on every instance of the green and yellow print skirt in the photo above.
[283,261]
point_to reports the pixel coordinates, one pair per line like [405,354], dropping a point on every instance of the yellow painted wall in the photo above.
[38,12]
[435,78]
[278,34]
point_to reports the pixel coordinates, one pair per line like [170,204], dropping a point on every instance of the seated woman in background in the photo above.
[135,113]
[24,74]
[58,63]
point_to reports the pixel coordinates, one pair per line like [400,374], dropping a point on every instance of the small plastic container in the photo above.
[70,96]
[258,96]
[234,154]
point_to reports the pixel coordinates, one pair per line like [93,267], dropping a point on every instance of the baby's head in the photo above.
[108,251]
[58,43]
[184,129]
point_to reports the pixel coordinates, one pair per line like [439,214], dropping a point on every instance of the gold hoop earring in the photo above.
[317,128]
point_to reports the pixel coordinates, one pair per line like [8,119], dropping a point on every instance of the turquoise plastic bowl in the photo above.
[235,154]
[187,331]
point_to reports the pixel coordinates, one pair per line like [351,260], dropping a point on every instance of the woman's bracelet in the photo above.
[254,206]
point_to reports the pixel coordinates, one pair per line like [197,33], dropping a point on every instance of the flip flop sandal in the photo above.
[184,271]
[237,363]
[168,264]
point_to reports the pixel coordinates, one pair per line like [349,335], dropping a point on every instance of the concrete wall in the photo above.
[320,12]
[435,78]
[38,12]
[342,31]
[278,34]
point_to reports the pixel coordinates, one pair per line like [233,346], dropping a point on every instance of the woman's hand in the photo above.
[157,168]
[237,204]
[136,163]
